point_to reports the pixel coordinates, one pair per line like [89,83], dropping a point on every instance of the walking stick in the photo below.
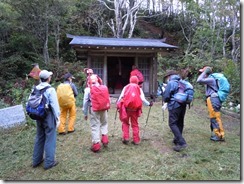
[163,119]
[146,121]
[114,122]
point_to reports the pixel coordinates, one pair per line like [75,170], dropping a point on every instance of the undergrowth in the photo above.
[153,159]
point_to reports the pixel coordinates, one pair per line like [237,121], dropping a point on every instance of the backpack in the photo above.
[132,99]
[36,106]
[223,85]
[139,75]
[185,92]
[65,95]
[99,98]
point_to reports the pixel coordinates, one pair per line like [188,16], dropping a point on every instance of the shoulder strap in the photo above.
[44,89]
[216,80]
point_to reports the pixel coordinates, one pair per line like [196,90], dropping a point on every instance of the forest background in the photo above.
[207,33]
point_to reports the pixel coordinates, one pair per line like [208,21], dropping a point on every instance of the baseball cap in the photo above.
[68,75]
[204,68]
[44,74]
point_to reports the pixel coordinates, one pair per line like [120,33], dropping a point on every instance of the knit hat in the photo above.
[134,79]
[44,74]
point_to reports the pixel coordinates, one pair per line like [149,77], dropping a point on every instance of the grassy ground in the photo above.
[153,159]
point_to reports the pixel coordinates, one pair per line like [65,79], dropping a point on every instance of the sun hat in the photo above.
[170,72]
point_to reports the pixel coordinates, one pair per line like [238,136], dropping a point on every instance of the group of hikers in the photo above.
[96,102]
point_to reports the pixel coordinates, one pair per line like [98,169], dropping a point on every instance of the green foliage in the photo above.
[199,31]
[233,73]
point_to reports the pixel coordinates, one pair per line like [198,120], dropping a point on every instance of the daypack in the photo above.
[99,98]
[185,93]
[65,95]
[36,106]
[132,99]
[139,75]
[223,85]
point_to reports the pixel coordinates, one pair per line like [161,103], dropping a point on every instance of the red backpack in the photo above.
[100,98]
[139,75]
[132,99]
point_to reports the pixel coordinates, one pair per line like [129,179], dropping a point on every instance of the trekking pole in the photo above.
[146,122]
[163,119]
[114,122]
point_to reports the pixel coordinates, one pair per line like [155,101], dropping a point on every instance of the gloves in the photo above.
[164,107]
[57,122]
[163,88]
[208,70]
[151,103]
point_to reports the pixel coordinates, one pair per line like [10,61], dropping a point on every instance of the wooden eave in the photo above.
[131,45]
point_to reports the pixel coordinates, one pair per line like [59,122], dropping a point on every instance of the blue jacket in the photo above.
[170,90]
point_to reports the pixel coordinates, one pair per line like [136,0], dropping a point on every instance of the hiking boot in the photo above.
[105,140]
[36,165]
[62,133]
[71,131]
[135,143]
[53,165]
[95,147]
[175,142]
[179,147]
[215,138]
[124,141]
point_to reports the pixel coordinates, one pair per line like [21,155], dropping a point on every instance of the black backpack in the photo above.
[36,106]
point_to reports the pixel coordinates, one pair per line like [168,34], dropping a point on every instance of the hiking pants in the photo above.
[71,113]
[98,123]
[133,117]
[215,119]
[45,141]
[176,123]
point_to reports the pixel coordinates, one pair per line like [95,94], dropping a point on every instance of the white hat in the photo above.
[44,74]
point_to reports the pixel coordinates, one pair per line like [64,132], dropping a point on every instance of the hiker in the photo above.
[90,72]
[213,103]
[96,100]
[136,72]
[132,96]
[176,110]
[67,92]
[45,141]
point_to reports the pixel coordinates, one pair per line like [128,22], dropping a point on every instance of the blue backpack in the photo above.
[185,93]
[223,85]
[36,106]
